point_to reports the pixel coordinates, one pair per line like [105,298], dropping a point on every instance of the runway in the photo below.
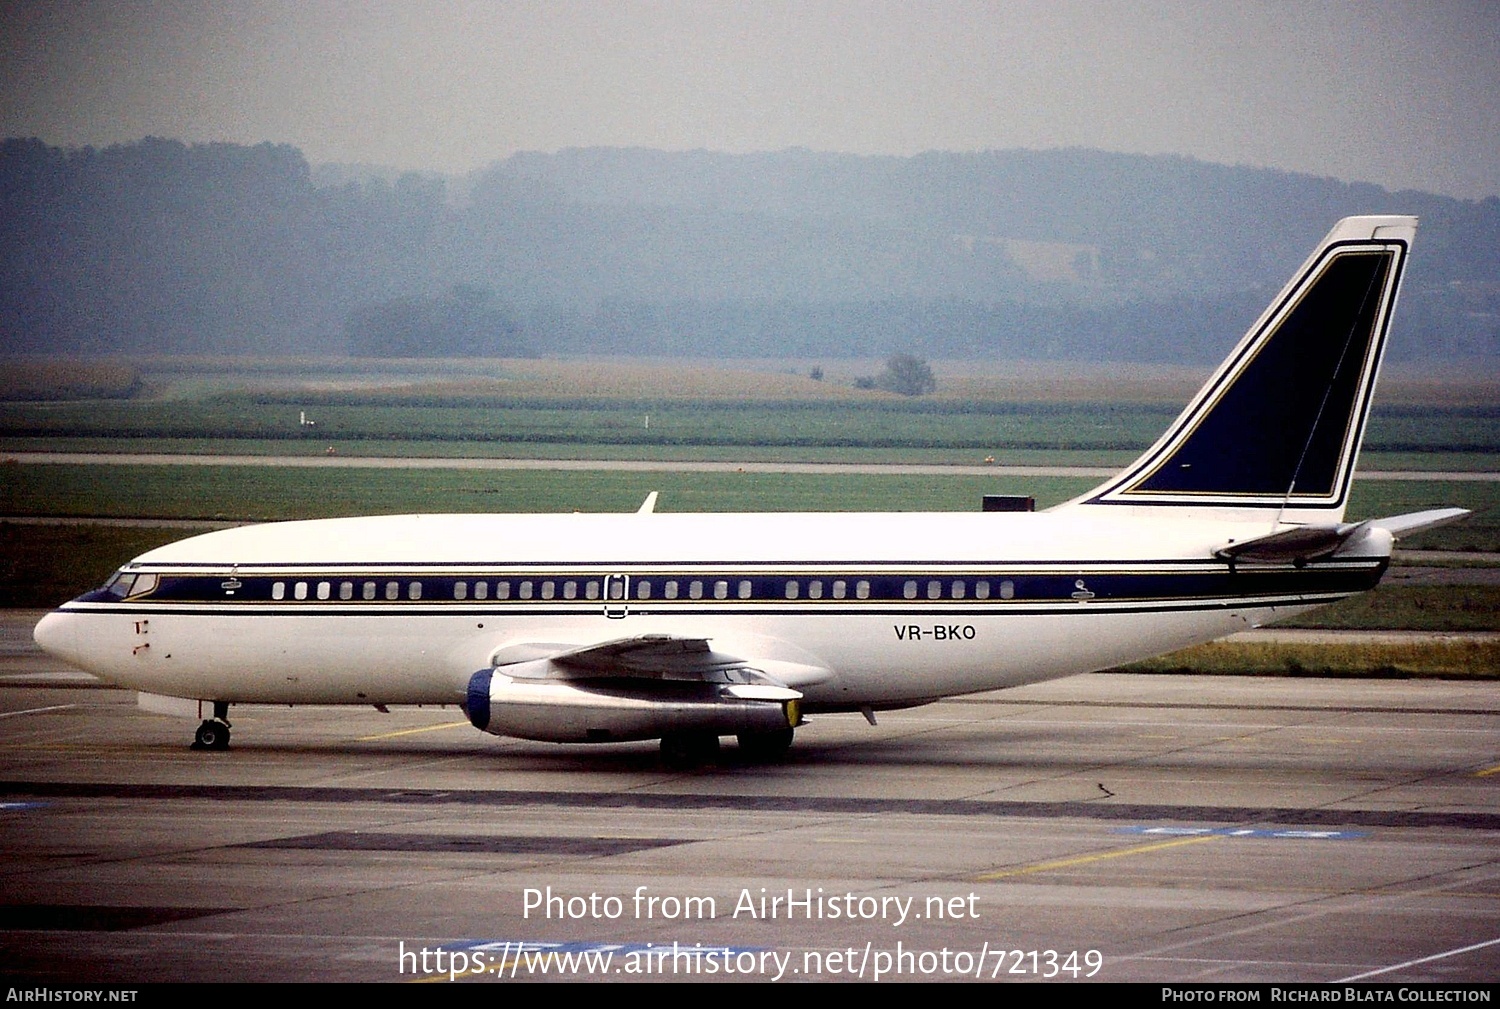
[634,465]
[1141,828]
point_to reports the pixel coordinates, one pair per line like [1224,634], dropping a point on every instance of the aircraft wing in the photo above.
[655,657]
[658,656]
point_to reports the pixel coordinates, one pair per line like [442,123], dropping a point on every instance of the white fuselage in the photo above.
[853,610]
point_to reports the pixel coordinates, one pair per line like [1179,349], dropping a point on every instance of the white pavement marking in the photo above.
[1413,963]
[37,711]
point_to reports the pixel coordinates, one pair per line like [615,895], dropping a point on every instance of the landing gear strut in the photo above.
[213,734]
[683,751]
[765,745]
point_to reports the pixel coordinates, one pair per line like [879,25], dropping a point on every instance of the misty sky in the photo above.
[1406,95]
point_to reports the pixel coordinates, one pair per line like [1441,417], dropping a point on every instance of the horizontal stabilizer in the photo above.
[1416,522]
[1300,544]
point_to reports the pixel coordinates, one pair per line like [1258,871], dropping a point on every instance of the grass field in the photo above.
[1057,413]
[1096,415]
[1411,608]
[265,493]
[1451,438]
[44,565]
[1462,659]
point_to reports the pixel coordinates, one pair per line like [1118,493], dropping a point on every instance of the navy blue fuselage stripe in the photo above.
[930,588]
[916,608]
[815,567]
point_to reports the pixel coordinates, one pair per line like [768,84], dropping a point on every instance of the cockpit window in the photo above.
[128,583]
[120,585]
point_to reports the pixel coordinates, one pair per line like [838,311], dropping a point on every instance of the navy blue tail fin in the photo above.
[1277,427]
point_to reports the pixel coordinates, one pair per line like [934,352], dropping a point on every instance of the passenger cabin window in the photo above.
[570,590]
[482,590]
[934,590]
[958,590]
[299,591]
[393,590]
[414,590]
[862,589]
[721,590]
[346,590]
[525,590]
[278,590]
[981,590]
[642,589]
[791,590]
[670,591]
[591,590]
[368,590]
[909,590]
[695,590]
[744,589]
[324,590]
[502,590]
[1007,590]
[460,590]
[838,590]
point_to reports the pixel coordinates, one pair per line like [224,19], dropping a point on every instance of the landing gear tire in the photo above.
[765,745]
[683,751]
[212,735]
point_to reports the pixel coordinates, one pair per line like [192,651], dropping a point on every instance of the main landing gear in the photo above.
[683,751]
[213,734]
[766,745]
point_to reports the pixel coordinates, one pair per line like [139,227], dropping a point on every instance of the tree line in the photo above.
[163,247]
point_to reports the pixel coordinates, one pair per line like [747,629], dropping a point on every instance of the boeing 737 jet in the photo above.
[685,628]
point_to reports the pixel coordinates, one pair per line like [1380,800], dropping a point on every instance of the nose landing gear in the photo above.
[213,734]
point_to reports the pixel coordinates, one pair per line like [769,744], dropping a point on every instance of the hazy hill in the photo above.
[163,247]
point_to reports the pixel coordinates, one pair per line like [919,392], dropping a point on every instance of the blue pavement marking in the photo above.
[1304,835]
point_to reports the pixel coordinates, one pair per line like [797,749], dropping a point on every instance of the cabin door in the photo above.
[616,596]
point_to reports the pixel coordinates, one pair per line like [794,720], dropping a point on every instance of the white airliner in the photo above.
[605,628]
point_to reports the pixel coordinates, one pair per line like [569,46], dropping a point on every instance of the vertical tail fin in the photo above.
[1276,429]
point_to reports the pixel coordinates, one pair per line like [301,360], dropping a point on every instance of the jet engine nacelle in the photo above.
[608,710]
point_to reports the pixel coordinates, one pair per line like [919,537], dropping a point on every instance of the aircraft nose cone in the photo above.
[54,634]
